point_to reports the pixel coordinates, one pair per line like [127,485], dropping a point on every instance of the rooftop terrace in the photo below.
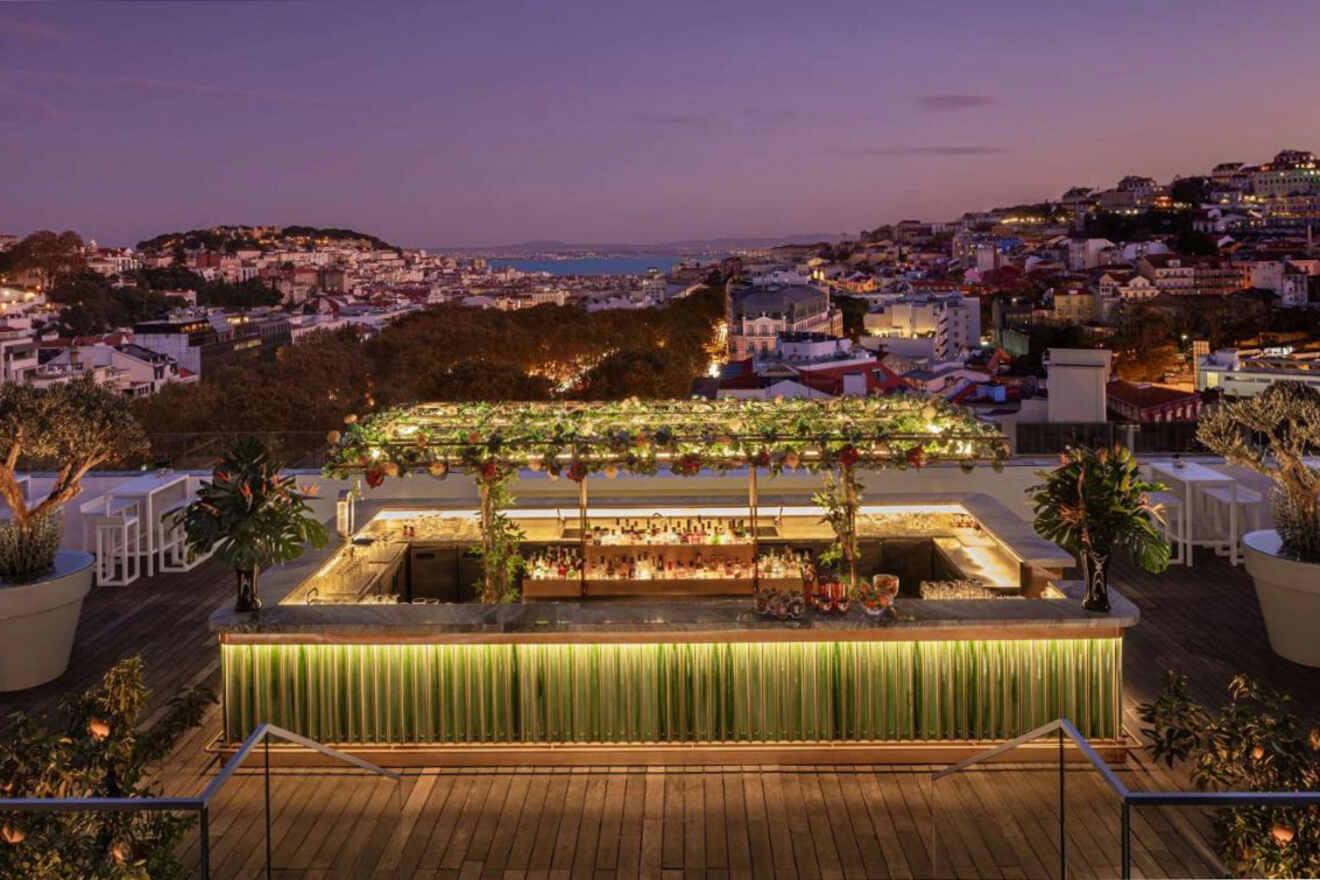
[813,821]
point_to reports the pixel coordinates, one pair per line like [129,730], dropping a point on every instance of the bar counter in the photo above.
[692,680]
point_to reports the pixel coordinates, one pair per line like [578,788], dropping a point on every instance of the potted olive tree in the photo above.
[70,428]
[1272,434]
[251,516]
[1095,503]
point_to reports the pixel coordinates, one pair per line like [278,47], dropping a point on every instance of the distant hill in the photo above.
[670,248]
[227,239]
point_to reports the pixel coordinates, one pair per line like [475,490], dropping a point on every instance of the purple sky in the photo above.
[493,122]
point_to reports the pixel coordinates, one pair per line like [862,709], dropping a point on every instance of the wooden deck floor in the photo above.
[692,822]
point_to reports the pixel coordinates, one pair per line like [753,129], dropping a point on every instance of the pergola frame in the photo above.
[494,441]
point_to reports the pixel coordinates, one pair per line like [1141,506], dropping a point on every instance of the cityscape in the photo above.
[496,479]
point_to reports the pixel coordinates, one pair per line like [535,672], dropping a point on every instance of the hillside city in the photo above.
[1203,285]
[641,441]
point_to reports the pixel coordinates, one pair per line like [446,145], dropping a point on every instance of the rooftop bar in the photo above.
[657,629]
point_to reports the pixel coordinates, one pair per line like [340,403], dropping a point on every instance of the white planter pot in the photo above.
[1289,595]
[38,621]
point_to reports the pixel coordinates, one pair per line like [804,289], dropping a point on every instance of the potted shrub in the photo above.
[1257,742]
[1271,434]
[70,428]
[1095,503]
[251,516]
[95,747]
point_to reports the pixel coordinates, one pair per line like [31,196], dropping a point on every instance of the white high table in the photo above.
[1194,477]
[152,491]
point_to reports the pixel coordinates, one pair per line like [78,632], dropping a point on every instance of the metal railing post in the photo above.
[1063,817]
[204,829]
[268,865]
[1125,869]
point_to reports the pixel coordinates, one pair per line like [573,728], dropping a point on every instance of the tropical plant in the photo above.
[95,747]
[1257,742]
[70,428]
[1272,433]
[1095,503]
[251,516]
[501,563]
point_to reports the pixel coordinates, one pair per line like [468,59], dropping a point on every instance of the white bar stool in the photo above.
[118,545]
[172,541]
[1172,526]
[1234,511]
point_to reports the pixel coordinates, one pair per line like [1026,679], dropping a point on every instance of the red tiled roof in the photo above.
[1144,395]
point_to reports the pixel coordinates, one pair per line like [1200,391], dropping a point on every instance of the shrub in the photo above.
[1257,742]
[93,747]
[30,550]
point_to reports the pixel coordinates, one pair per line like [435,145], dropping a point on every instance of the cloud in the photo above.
[937,150]
[670,120]
[27,28]
[72,84]
[175,87]
[18,109]
[953,101]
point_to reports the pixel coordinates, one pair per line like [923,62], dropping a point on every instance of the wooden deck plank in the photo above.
[1203,621]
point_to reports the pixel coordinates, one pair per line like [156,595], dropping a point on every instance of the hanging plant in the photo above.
[501,562]
[858,432]
[840,499]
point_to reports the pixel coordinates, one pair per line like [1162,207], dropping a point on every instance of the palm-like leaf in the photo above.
[1097,501]
[250,514]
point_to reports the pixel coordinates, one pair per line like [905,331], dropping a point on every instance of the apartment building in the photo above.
[129,369]
[759,315]
[1290,173]
[924,325]
[200,341]
[1245,375]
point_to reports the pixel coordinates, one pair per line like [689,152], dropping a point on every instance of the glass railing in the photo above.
[1049,438]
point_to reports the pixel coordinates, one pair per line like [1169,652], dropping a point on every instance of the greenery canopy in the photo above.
[641,436]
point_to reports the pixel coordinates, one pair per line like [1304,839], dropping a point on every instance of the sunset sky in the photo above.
[493,122]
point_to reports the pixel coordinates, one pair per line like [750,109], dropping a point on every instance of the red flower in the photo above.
[577,471]
[375,477]
[489,470]
[916,456]
[848,456]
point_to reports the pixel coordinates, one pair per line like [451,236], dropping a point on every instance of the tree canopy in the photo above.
[449,353]
[48,255]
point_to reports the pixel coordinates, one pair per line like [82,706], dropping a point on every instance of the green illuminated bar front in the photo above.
[717,692]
